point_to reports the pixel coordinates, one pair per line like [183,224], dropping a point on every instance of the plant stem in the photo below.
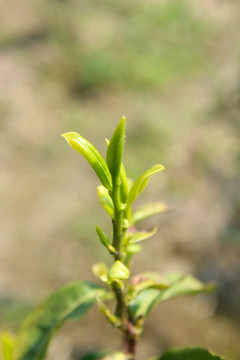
[130,339]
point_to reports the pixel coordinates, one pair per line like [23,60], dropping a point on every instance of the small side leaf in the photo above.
[100,270]
[105,200]
[91,154]
[190,354]
[141,235]
[69,303]
[105,240]
[133,249]
[146,300]
[148,210]
[141,183]
[115,151]
[8,342]
[118,271]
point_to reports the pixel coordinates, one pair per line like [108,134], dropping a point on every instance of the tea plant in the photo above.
[134,296]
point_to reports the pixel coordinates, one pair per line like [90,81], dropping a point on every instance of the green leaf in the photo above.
[91,155]
[8,342]
[118,271]
[141,235]
[105,240]
[100,270]
[105,200]
[146,300]
[115,151]
[69,303]
[148,210]
[124,184]
[141,183]
[133,248]
[190,354]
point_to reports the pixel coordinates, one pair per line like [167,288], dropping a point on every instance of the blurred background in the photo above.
[173,69]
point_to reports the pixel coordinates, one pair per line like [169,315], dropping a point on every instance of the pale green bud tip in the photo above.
[69,135]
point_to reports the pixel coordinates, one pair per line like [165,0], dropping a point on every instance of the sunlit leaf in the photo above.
[141,235]
[124,184]
[141,183]
[91,155]
[148,210]
[115,151]
[105,200]
[69,303]
[8,341]
[190,354]
[100,270]
[118,271]
[179,285]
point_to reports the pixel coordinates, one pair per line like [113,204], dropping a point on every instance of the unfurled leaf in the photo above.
[148,210]
[190,354]
[141,235]
[69,303]
[91,155]
[105,200]
[179,285]
[100,270]
[115,151]
[141,183]
[7,340]
[118,271]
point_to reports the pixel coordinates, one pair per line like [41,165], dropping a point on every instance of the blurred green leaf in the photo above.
[115,151]
[148,210]
[133,248]
[146,300]
[118,271]
[91,155]
[141,235]
[141,183]
[105,200]
[146,280]
[190,354]
[117,356]
[8,342]
[69,303]
[100,270]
